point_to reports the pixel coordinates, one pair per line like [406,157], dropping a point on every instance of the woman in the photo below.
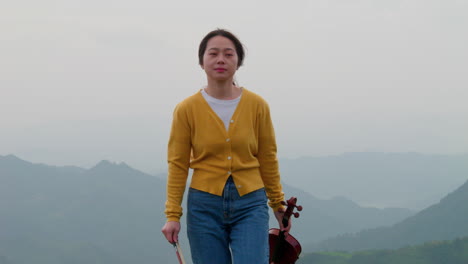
[225,134]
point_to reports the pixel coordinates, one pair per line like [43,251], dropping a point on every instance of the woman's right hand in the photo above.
[171,231]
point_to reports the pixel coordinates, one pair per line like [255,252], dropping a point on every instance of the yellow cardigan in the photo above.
[199,140]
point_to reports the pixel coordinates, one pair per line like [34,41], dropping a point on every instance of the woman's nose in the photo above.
[220,60]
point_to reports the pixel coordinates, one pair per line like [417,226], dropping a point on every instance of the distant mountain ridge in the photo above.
[446,220]
[113,210]
[321,219]
[109,208]
[405,180]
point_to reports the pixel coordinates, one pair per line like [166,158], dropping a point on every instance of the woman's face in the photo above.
[220,59]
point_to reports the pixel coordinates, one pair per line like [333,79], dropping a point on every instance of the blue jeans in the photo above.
[228,229]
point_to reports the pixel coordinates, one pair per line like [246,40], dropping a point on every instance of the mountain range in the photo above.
[445,220]
[405,180]
[112,213]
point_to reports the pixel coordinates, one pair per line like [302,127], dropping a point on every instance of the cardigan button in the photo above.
[232,121]
[229,157]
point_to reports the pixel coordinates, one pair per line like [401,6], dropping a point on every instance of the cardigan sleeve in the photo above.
[268,160]
[178,158]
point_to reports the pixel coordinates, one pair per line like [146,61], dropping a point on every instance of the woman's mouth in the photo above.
[220,69]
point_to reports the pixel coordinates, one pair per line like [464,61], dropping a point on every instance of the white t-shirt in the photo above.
[223,108]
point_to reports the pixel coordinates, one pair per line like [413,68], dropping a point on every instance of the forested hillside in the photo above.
[445,252]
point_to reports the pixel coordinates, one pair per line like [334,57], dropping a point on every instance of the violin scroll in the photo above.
[291,204]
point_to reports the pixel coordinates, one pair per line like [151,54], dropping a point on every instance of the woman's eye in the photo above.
[229,55]
[212,54]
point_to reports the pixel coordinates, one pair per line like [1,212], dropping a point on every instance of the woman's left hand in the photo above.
[279,216]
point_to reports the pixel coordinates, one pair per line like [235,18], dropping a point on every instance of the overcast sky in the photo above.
[87,80]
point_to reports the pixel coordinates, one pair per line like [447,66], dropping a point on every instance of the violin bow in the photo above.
[178,251]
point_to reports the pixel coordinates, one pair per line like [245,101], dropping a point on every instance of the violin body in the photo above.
[284,248]
[290,248]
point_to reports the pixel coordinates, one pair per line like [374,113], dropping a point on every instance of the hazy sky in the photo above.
[87,80]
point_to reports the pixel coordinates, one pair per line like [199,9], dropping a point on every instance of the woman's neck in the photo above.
[224,90]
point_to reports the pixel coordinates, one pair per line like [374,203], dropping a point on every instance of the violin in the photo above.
[284,248]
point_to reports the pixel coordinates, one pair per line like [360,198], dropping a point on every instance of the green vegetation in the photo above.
[437,252]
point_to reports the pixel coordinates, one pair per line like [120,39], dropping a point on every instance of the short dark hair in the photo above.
[224,33]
